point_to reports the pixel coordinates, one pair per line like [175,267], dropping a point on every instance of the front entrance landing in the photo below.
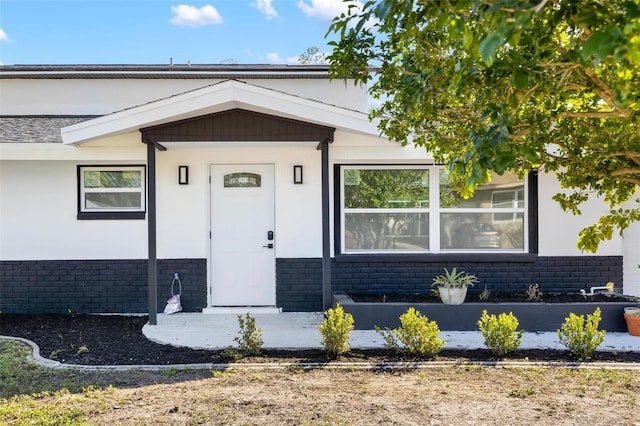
[291,330]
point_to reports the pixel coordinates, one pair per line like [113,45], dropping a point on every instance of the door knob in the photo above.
[270,245]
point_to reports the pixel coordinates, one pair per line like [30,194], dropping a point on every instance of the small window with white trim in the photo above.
[111,192]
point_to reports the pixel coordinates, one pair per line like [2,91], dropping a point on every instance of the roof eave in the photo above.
[162,71]
[215,98]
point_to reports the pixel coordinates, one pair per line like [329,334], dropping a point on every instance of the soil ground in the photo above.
[496,298]
[118,340]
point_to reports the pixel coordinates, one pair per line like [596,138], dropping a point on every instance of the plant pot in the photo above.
[452,295]
[633,324]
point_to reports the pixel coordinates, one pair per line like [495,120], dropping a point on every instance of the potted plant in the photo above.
[452,286]
[632,316]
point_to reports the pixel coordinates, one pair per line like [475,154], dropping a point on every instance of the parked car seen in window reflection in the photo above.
[476,235]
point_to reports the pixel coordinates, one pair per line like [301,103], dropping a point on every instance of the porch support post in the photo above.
[152,261]
[326,237]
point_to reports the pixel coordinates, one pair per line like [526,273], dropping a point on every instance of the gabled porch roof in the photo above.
[216,98]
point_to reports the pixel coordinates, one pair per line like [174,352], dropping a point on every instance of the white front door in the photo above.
[242,238]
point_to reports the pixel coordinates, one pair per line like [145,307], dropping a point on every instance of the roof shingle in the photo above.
[36,129]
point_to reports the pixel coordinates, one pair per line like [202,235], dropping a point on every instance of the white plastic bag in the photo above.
[173,303]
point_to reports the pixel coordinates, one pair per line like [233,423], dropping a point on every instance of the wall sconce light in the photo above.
[297,175]
[183,175]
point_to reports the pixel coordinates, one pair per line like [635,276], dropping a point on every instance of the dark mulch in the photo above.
[118,340]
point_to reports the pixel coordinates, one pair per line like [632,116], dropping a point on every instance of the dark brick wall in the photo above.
[299,285]
[299,281]
[97,286]
[553,274]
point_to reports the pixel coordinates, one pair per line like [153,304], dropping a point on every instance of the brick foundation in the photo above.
[97,286]
[120,286]
[299,285]
[299,281]
[553,274]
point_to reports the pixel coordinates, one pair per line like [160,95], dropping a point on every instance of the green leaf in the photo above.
[599,45]
[488,47]
[519,79]
[467,38]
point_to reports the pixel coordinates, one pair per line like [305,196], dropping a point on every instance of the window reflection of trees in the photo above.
[112,179]
[388,189]
[112,189]
[388,209]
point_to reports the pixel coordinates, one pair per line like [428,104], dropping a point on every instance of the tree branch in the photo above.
[626,171]
[558,65]
[606,93]
[539,6]
[632,155]
[635,181]
[594,114]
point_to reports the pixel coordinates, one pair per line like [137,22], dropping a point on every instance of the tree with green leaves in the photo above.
[509,85]
[313,56]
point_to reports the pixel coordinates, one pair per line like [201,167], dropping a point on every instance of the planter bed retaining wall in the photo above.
[532,316]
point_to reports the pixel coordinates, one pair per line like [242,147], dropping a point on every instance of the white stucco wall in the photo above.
[183,219]
[69,97]
[184,211]
[558,231]
[44,225]
[38,217]
[631,251]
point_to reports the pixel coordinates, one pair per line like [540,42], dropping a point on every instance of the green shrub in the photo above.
[581,336]
[335,330]
[250,337]
[416,335]
[500,332]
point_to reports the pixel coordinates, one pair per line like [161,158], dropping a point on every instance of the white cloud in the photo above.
[191,16]
[3,35]
[266,8]
[325,10]
[274,58]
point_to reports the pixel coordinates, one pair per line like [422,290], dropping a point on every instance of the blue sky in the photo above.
[153,31]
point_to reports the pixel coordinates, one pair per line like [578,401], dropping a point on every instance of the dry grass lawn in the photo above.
[433,396]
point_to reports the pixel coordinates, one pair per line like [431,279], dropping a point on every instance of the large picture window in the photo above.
[111,191]
[412,209]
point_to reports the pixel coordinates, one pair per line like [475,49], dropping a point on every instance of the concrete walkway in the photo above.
[300,330]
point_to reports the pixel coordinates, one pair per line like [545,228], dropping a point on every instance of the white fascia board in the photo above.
[215,98]
[60,152]
[298,108]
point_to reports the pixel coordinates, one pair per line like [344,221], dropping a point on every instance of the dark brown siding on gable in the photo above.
[238,125]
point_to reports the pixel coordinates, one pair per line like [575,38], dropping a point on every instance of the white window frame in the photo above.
[83,191]
[434,212]
[514,204]
[344,210]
